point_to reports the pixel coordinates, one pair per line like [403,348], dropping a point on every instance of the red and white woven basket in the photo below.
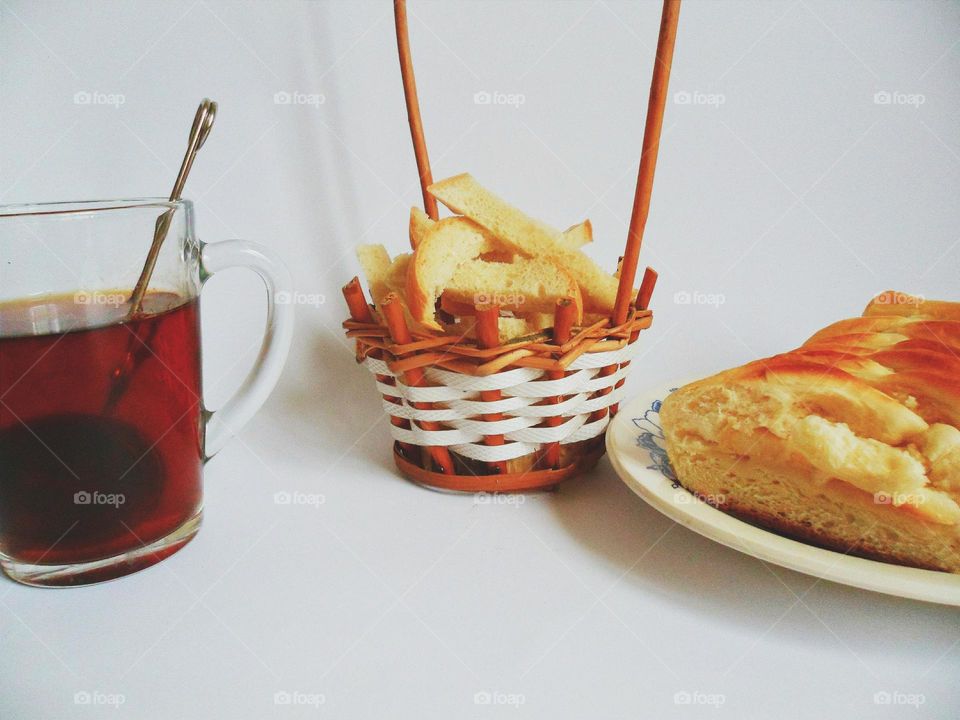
[519,416]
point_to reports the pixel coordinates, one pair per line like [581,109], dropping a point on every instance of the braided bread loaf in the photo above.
[849,442]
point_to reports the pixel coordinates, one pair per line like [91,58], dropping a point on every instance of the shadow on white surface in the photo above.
[704,578]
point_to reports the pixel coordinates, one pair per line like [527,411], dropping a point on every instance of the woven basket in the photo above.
[520,416]
[478,416]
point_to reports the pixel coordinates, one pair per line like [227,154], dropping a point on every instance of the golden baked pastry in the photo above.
[849,442]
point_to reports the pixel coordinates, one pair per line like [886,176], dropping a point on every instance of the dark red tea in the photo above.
[100,425]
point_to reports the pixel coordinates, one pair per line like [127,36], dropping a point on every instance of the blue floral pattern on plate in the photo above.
[652,441]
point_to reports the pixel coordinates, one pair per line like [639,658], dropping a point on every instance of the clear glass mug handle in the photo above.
[222,424]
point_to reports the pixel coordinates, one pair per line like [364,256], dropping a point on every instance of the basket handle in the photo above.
[648,157]
[413,107]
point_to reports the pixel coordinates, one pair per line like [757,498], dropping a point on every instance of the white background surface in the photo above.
[793,202]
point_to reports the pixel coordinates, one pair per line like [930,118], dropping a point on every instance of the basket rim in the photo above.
[459,353]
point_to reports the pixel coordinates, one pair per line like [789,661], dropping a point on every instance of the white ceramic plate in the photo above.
[636,449]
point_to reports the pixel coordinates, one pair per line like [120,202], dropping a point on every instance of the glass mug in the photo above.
[103,433]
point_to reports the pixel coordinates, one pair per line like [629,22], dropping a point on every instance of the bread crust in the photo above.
[851,539]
